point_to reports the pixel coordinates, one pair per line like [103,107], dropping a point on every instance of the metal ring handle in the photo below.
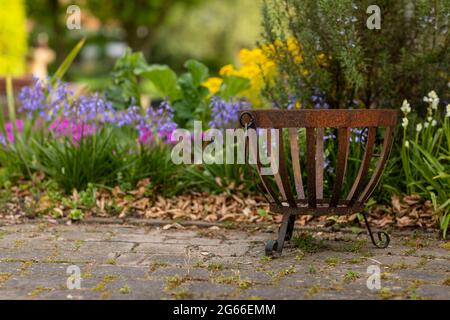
[251,123]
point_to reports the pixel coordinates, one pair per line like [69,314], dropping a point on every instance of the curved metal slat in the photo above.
[311,166]
[364,168]
[295,156]
[341,165]
[276,175]
[264,179]
[319,162]
[281,175]
[384,156]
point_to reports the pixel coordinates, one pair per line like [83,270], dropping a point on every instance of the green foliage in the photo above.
[186,93]
[65,65]
[306,242]
[164,79]
[134,16]
[221,178]
[193,103]
[154,163]
[88,196]
[76,215]
[124,87]
[13,38]
[232,85]
[350,63]
[73,164]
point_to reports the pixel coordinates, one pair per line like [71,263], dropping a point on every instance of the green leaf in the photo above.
[124,87]
[444,205]
[10,102]
[67,62]
[262,213]
[444,224]
[198,71]
[163,78]
[233,85]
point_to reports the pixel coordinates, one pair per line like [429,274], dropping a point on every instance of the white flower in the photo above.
[426,124]
[432,94]
[448,111]
[429,119]
[434,104]
[406,108]
[404,122]
[407,144]
[419,127]
[434,123]
[433,99]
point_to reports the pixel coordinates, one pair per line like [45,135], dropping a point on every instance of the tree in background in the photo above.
[212,32]
[140,19]
[349,64]
[13,37]
[49,16]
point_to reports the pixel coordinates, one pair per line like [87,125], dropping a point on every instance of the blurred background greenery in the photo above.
[167,31]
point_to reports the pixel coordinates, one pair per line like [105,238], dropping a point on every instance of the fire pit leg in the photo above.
[290,229]
[381,243]
[284,233]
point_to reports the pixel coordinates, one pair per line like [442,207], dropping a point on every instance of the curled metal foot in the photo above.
[381,243]
[383,237]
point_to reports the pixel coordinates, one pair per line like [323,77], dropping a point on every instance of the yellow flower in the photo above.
[213,84]
[257,66]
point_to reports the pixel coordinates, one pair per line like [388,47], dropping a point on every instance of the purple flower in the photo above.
[161,120]
[32,99]
[292,102]
[131,116]
[225,114]
[318,99]
[77,117]
[358,135]
[329,136]
[93,108]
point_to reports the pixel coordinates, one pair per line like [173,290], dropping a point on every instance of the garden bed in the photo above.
[23,201]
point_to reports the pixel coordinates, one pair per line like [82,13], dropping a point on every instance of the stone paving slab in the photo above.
[143,262]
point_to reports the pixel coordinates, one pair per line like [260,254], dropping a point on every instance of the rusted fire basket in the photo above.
[285,189]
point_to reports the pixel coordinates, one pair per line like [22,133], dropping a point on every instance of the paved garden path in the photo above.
[132,262]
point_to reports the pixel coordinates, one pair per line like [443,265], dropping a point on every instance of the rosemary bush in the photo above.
[351,65]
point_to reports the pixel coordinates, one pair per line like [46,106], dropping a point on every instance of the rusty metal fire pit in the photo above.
[285,189]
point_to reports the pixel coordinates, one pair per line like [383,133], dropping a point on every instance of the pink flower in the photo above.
[145,135]
[71,128]
[9,128]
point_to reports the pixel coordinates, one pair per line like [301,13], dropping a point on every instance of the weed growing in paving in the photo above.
[306,242]
[351,276]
